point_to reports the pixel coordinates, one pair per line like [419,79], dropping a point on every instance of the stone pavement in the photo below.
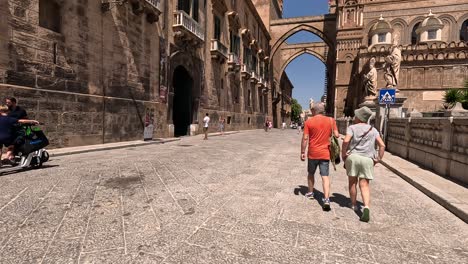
[231,199]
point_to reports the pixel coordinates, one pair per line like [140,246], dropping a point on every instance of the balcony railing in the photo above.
[253,76]
[245,71]
[218,48]
[155,4]
[181,19]
[233,59]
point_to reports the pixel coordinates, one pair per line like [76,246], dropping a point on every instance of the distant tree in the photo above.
[296,110]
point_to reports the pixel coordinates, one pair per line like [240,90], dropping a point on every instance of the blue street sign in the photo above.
[387,96]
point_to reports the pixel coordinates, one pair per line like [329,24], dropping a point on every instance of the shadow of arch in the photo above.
[300,53]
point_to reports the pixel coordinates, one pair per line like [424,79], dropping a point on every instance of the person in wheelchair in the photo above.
[8,131]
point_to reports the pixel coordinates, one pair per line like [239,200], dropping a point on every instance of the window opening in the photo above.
[49,15]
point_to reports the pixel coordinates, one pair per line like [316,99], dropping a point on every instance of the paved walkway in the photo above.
[231,199]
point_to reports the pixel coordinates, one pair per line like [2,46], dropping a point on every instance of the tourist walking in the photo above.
[206,123]
[317,133]
[360,157]
[221,125]
[267,124]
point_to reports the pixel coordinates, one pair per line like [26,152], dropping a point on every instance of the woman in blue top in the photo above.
[8,129]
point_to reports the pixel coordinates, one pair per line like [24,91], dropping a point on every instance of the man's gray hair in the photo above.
[319,108]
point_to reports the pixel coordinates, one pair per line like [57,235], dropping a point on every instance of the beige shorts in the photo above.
[360,166]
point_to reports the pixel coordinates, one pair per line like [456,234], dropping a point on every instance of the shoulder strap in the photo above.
[331,123]
[363,136]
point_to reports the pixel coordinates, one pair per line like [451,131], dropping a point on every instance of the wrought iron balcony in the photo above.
[218,50]
[185,24]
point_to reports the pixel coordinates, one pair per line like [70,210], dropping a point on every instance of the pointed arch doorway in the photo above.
[183,101]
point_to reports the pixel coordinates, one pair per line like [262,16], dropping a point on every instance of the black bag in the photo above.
[34,140]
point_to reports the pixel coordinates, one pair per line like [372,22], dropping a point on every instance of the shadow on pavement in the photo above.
[301,189]
[7,170]
[344,201]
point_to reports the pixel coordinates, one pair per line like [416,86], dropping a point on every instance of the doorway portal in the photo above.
[182,106]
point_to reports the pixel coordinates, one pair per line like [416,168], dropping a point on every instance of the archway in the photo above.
[183,101]
[308,74]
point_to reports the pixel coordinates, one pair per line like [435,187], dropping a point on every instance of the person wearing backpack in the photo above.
[317,132]
[360,157]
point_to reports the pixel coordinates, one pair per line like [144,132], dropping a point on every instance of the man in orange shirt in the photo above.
[317,132]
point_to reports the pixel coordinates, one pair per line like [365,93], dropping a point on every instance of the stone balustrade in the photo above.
[438,144]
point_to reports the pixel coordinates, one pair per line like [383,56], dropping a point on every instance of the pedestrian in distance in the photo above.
[299,128]
[360,157]
[267,124]
[316,137]
[206,124]
[221,125]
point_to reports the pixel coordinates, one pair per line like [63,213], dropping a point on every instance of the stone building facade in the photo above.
[285,99]
[101,71]
[432,37]
[84,69]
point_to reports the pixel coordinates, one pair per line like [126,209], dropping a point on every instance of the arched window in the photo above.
[414,35]
[464,31]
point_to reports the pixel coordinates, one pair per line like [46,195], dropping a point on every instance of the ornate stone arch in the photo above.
[404,27]
[452,22]
[302,27]
[301,52]
[411,25]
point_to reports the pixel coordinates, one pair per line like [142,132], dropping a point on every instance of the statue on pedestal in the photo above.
[311,103]
[392,67]
[370,80]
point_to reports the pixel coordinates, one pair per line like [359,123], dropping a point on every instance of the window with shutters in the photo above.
[49,15]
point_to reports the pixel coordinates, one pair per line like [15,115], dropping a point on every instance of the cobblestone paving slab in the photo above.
[231,199]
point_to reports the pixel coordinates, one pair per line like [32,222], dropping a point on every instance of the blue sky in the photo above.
[306,72]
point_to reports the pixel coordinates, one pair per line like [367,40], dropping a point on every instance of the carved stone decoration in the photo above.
[234,22]
[370,80]
[392,67]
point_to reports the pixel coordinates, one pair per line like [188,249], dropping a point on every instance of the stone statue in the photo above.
[392,67]
[370,79]
[311,103]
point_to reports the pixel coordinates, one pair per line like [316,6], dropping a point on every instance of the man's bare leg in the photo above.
[311,182]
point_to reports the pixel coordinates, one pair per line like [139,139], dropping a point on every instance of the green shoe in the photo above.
[365,215]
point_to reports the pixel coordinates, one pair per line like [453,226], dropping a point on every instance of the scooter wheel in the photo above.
[45,156]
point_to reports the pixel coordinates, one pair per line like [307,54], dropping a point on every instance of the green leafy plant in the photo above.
[452,96]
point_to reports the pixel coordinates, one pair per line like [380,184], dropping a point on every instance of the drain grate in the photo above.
[182,145]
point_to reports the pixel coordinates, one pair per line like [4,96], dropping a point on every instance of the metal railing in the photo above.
[182,19]
[216,45]
[155,3]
